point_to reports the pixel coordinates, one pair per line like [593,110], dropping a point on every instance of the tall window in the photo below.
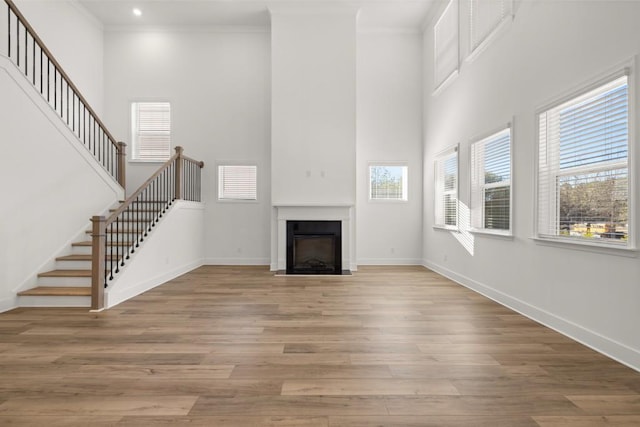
[237,182]
[446,189]
[583,168]
[486,18]
[491,183]
[388,182]
[151,131]
[445,35]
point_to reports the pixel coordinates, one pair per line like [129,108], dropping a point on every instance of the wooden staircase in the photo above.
[69,284]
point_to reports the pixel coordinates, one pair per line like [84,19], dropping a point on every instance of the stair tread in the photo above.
[90,243]
[57,291]
[78,257]
[66,273]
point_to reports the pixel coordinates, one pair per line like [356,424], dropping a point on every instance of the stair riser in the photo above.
[54,301]
[64,281]
[73,265]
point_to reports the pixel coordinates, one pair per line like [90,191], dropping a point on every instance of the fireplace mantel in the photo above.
[284,212]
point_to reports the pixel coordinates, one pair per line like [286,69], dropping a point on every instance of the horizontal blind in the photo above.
[237,182]
[152,131]
[446,189]
[388,182]
[486,16]
[446,43]
[491,181]
[583,165]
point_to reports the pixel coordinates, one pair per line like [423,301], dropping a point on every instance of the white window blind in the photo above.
[491,182]
[583,185]
[388,182]
[486,17]
[446,44]
[237,182]
[151,133]
[446,189]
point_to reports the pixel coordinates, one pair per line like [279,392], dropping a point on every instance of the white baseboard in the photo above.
[8,304]
[389,261]
[237,261]
[116,296]
[613,349]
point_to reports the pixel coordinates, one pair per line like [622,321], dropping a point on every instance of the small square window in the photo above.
[237,182]
[388,182]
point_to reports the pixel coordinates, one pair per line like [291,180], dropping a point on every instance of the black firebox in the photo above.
[314,247]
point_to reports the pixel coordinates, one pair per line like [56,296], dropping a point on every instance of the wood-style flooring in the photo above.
[238,346]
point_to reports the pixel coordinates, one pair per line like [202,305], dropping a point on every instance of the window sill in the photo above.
[602,248]
[508,235]
[241,201]
[158,162]
[388,201]
[446,228]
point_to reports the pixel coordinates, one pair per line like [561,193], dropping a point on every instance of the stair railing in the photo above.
[29,53]
[117,237]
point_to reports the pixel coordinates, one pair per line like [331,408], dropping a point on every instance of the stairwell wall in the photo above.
[52,184]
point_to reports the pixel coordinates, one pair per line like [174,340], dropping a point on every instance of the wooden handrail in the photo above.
[53,60]
[135,218]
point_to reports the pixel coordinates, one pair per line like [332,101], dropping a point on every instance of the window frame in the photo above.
[483,139]
[440,193]
[452,7]
[405,182]
[218,186]
[135,133]
[609,246]
[476,47]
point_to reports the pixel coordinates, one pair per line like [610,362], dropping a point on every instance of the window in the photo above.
[151,131]
[388,182]
[491,183]
[486,18]
[237,182]
[583,167]
[445,35]
[446,189]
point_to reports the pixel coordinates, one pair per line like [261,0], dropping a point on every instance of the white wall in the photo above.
[218,84]
[75,38]
[313,106]
[52,185]
[549,49]
[389,129]
[175,247]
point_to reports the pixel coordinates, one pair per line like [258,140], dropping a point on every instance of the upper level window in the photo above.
[491,183]
[151,131]
[388,182]
[583,167]
[487,17]
[446,189]
[445,36]
[237,182]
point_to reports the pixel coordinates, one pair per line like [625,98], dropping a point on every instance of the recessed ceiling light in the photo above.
[137,12]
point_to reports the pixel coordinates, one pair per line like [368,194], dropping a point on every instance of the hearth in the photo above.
[314,247]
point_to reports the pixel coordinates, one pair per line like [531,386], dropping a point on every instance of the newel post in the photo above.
[98,253]
[178,193]
[122,164]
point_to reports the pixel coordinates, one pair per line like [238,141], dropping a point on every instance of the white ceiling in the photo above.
[374,14]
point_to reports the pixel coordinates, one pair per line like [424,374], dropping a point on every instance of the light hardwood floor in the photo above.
[237,346]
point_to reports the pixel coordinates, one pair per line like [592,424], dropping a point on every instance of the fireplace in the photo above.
[314,247]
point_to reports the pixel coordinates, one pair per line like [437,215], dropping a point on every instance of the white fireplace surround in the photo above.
[335,212]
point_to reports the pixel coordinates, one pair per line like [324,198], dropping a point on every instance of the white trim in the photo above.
[607,248]
[389,261]
[224,29]
[501,28]
[266,261]
[610,348]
